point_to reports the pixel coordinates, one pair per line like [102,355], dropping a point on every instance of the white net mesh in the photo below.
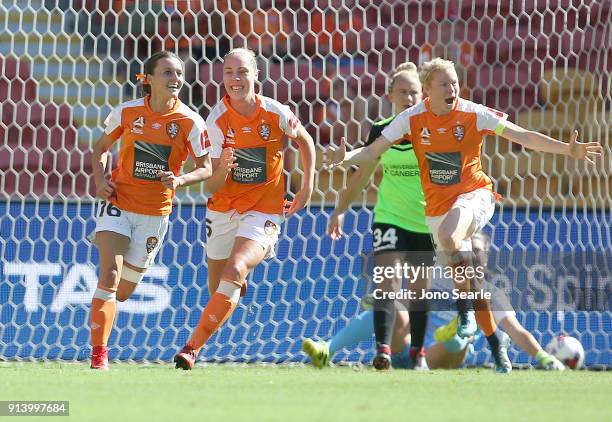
[65,64]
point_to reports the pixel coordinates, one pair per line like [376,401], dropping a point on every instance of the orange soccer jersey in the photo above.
[152,142]
[257,183]
[448,149]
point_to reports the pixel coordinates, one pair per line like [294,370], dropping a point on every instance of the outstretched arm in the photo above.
[359,157]
[533,140]
[355,184]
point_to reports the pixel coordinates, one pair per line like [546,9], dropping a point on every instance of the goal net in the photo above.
[65,64]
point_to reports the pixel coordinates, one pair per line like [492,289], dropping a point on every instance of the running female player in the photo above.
[446,133]
[157,132]
[246,210]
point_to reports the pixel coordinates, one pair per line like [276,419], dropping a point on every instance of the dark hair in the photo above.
[151,64]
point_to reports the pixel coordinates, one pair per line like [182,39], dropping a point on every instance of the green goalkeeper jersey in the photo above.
[400,201]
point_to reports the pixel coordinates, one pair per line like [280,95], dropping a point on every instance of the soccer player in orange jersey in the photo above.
[157,133]
[246,210]
[447,134]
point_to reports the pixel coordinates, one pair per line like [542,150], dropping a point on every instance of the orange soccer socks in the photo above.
[218,309]
[484,317]
[103,310]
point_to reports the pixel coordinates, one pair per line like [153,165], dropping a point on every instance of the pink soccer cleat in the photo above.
[99,358]
[185,359]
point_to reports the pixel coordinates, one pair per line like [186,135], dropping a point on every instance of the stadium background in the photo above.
[66,64]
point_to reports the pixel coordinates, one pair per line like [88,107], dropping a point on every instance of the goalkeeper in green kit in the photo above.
[400,234]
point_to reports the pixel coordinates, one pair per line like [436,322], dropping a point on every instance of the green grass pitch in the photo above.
[301,393]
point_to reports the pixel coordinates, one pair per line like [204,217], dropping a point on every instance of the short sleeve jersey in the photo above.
[151,142]
[448,148]
[257,183]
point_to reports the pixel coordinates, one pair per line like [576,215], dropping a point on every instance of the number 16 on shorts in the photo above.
[107,208]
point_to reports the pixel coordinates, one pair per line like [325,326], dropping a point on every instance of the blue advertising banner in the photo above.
[311,289]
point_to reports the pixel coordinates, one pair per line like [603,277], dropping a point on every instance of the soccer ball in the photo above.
[568,350]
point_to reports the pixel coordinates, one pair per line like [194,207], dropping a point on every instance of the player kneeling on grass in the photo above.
[361,328]
[157,133]
[450,350]
[246,210]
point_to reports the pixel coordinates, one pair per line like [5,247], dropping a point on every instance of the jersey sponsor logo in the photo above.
[264,131]
[401,170]
[269,228]
[444,167]
[151,243]
[172,129]
[138,125]
[149,159]
[459,132]
[425,134]
[251,165]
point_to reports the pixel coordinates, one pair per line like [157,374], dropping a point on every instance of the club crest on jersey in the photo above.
[151,243]
[269,228]
[459,132]
[172,129]
[264,131]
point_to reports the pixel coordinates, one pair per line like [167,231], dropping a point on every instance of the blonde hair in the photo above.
[247,52]
[431,66]
[408,67]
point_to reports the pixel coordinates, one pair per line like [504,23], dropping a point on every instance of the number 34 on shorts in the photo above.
[385,238]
